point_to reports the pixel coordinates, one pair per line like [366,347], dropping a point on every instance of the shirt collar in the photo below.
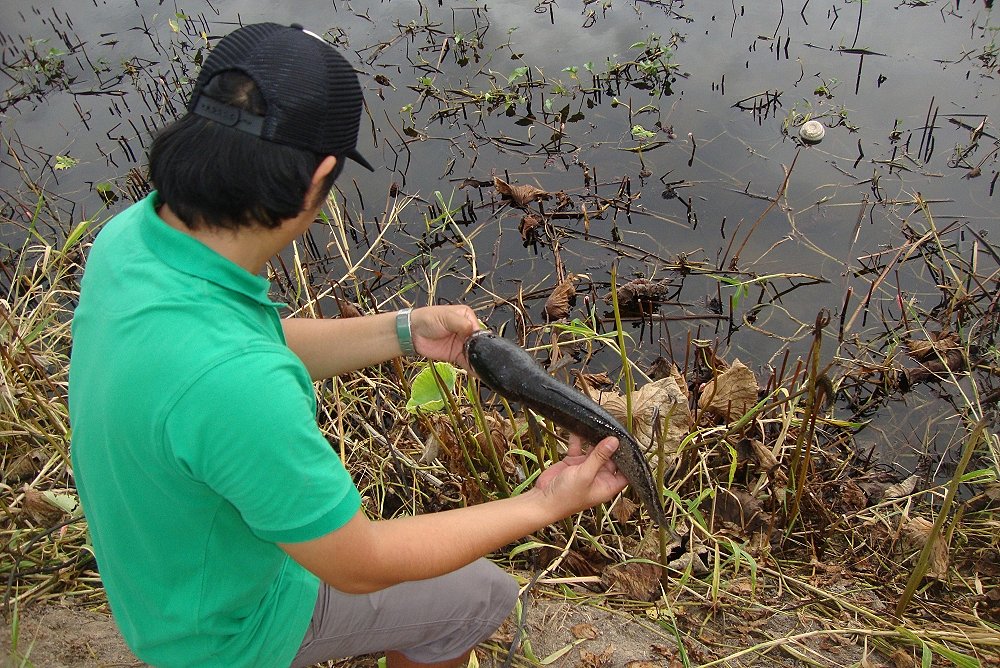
[188,255]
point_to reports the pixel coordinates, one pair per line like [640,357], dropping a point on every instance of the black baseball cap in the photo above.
[314,100]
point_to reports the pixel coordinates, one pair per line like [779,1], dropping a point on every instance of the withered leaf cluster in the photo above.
[916,532]
[640,289]
[660,402]
[940,355]
[520,195]
[730,394]
[528,227]
[558,303]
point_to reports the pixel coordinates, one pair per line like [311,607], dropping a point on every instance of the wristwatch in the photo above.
[403,332]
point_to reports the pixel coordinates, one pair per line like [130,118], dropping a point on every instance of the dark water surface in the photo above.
[714,90]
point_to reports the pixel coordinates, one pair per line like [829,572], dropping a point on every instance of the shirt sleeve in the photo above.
[246,428]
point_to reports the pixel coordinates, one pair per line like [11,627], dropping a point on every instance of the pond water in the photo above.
[674,125]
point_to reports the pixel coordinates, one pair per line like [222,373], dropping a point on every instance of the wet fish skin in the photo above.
[512,372]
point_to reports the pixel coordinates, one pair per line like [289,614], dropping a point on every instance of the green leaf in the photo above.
[68,503]
[926,655]
[425,395]
[77,233]
[528,482]
[640,132]
[524,547]
[559,653]
[66,162]
[960,660]
[517,74]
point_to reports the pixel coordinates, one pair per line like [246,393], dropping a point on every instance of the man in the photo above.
[226,529]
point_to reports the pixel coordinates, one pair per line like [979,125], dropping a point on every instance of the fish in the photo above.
[510,371]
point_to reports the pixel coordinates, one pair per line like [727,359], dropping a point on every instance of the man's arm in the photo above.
[365,556]
[329,347]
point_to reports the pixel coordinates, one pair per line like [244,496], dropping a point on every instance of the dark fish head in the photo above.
[477,350]
[499,363]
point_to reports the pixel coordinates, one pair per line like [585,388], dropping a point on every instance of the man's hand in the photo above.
[364,556]
[439,332]
[581,481]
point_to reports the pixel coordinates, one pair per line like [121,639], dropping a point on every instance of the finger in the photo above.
[462,322]
[618,484]
[600,455]
[470,315]
[575,447]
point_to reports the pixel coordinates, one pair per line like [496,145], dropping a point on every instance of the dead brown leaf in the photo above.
[558,304]
[501,436]
[663,397]
[642,664]
[852,497]
[637,580]
[682,385]
[939,344]
[901,658]
[903,488]
[528,227]
[588,381]
[940,355]
[40,509]
[597,660]
[738,507]
[731,394]
[933,369]
[520,195]
[441,444]
[624,509]
[584,631]
[24,466]
[992,492]
[582,562]
[640,289]
[916,532]
[347,308]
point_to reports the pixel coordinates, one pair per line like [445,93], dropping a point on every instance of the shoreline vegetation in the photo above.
[767,491]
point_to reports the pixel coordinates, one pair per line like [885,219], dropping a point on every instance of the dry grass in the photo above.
[790,542]
[43,533]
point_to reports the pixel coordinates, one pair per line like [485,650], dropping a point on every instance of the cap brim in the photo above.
[358,158]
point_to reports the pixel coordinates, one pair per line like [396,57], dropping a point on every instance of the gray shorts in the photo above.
[427,621]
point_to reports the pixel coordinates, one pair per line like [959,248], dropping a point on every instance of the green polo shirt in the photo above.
[195,450]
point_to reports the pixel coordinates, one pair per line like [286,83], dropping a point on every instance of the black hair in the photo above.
[217,176]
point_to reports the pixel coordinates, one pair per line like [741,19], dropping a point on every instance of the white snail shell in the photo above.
[812,132]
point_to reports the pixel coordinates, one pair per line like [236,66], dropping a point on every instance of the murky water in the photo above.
[672,123]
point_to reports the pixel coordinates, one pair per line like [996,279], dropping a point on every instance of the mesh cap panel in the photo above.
[314,100]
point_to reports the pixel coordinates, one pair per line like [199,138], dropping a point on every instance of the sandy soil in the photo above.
[570,635]
[55,637]
[559,633]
